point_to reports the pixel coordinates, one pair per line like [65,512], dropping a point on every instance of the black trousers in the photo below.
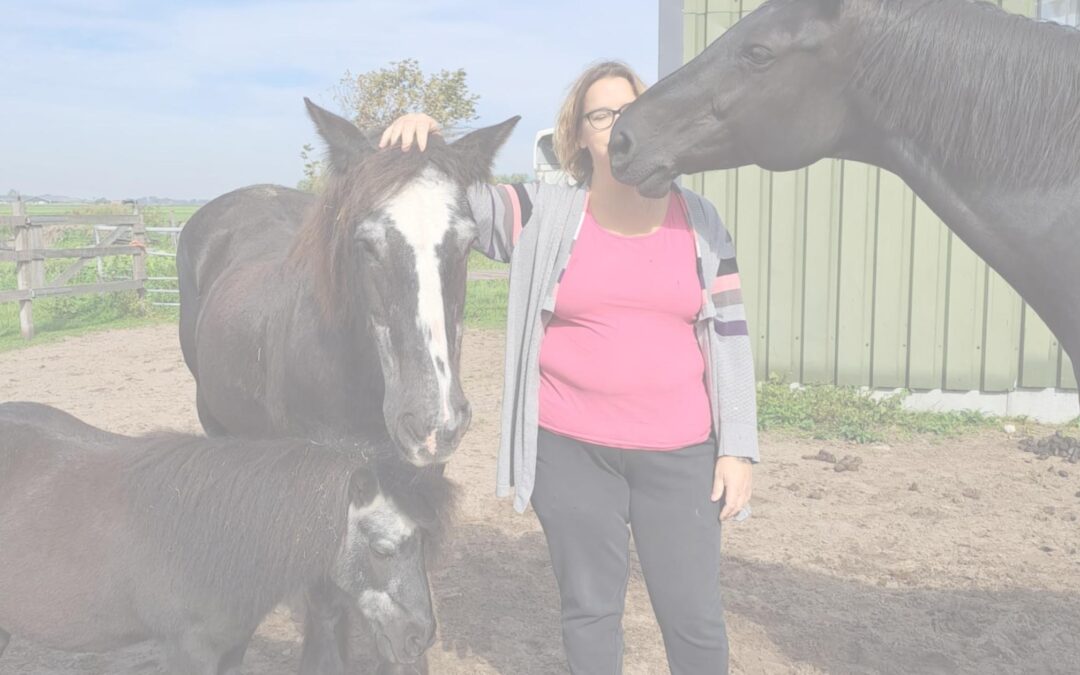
[589,500]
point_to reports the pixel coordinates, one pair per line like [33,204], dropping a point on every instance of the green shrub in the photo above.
[852,414]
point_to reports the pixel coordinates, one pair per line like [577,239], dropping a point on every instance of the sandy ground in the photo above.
[934,557]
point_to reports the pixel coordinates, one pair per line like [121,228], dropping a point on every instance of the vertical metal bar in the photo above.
[671,37]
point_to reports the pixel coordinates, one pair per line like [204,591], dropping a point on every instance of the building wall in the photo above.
[850,279]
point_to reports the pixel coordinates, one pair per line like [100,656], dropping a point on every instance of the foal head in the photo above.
[393,233]
[382,563]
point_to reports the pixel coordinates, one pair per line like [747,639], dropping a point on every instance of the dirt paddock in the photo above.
[957,556]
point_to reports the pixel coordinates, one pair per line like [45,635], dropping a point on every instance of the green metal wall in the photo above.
[848,278]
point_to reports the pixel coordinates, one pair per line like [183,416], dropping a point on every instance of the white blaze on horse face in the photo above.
[377,607]
[423,215]
[376,522]
[380,521]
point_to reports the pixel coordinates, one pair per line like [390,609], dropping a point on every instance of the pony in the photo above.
[110,540]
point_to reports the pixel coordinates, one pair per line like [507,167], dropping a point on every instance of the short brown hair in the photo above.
[574,160]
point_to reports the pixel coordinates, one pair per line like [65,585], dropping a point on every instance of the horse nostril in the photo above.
[464,415]
[621,144]
[414,646]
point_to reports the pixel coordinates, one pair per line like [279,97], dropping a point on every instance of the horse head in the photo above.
[398,232]
[382,565]
[767,92]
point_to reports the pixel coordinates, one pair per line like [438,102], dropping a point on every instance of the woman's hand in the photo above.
[732,482]
[409,128]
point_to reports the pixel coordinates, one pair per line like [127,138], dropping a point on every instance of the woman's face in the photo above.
[611,93]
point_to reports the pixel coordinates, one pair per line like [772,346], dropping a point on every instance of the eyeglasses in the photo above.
[602,118]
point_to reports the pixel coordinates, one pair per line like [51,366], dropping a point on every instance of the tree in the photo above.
[376,98]
[313,171]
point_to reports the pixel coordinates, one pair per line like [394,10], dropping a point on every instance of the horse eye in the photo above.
[369,247]
[759,55]
[382,550]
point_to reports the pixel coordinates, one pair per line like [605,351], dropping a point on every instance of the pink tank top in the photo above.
[620,365]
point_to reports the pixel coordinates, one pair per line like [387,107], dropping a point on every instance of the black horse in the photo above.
[341,314]
[109,540]
[976,109]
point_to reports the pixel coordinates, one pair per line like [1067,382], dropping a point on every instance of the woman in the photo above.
[629,395]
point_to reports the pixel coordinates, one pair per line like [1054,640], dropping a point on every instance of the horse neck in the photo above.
[328,351]
[920,107]
[1022,231]
[986,98]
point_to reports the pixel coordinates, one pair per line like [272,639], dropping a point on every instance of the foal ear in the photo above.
[477,149]
[363,487]
[346,145]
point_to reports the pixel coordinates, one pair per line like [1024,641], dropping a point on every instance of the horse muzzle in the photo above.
[426,442]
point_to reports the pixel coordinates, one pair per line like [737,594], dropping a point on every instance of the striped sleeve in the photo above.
[736,385]
[727,298]
[501,212]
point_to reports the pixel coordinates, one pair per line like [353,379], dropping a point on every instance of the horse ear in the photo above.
[363,487]
[477,149]
[346,145]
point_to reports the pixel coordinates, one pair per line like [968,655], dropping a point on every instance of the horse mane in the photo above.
[424,494]
[1003,107]
[325,244]
[284,504]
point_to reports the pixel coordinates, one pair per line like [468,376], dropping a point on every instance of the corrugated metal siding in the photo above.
[849,278]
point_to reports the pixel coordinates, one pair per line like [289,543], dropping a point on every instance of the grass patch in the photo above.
[51,325]
[65,316]
[850,414]
[479,261]
[485,303]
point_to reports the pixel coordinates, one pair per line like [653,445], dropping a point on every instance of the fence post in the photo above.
[38,265]
[138,260]
[23,275]
[98,260]
[172,226]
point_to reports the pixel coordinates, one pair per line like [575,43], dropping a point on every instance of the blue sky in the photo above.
[116,98]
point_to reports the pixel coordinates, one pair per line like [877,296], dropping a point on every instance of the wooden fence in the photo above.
[156,286]
[29,255]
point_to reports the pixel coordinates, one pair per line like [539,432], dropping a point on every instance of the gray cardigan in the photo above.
[533,226]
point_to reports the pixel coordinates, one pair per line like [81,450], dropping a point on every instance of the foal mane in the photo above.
[284,503]
[325,245]
[1003,105]
[424,494]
